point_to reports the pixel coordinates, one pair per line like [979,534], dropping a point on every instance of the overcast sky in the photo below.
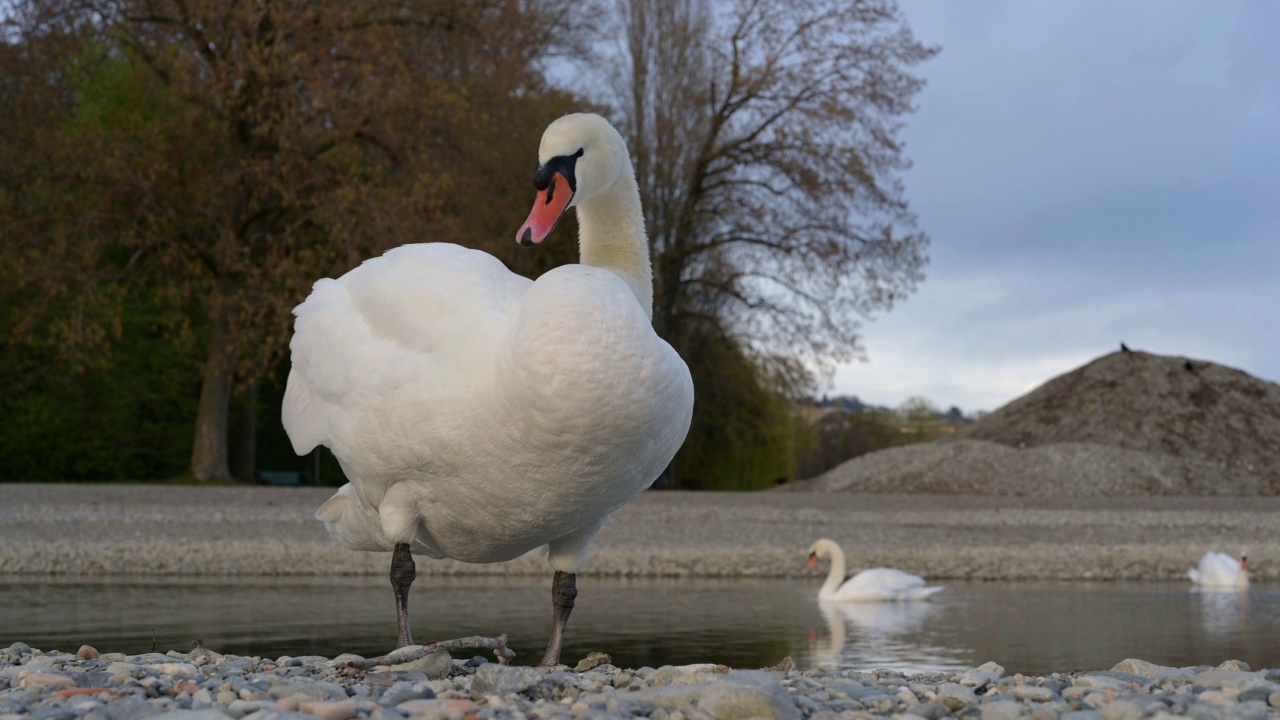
[1090,172]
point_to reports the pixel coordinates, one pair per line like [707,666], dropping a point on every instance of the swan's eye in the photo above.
[563,164]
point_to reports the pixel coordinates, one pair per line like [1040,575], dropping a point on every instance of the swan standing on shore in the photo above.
[1220,570]
[874,585]
[480,415]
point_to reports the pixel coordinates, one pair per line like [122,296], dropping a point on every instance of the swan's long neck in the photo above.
[611,236]
[835,578]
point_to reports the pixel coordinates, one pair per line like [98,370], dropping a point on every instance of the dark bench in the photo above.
[280,478]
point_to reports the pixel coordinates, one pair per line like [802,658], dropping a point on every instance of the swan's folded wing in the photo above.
[304,415]
[885,578]
[411,316]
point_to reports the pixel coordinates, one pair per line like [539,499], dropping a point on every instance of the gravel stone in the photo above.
[930,711]
[1143,668]
[1004,710]
[494,679]
[435,666]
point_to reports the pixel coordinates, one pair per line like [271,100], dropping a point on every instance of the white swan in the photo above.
[876,584]
[479,415]
[1220,570]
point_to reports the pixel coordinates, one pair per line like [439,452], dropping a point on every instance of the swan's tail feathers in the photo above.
[924,593]
[305,419]
[353,524]
[1195,576]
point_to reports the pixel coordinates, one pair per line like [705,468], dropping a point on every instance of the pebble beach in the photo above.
[416,682]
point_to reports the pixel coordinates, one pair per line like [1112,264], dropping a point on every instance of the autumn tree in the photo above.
[222,156]
[766,141]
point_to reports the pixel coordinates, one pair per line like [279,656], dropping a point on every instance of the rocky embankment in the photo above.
[416,683]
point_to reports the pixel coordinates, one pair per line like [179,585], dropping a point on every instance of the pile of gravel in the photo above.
[980,467]
[204,685]
[1126,424]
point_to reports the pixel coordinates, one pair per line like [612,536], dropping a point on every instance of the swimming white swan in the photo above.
[1220,570]
[478,414]
[876,584]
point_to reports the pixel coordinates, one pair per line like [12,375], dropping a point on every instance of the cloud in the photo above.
[1090,173]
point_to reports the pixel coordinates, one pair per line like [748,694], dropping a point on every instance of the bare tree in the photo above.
[767,146]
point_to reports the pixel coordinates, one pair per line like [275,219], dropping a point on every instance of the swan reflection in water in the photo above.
[886,635]
[1223,611]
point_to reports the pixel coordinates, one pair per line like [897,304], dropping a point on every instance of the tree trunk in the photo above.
[244,424]
[209,452]
[666,300]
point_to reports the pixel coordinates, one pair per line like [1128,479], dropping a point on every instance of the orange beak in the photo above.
[548,206]
[1244,563]
[813,560]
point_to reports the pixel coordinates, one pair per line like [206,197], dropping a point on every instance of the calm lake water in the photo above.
[1029,627]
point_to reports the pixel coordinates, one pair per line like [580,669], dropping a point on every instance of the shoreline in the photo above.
[135,531]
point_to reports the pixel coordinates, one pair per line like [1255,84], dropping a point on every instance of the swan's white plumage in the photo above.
[1219,570]
[478,414]
[874,585]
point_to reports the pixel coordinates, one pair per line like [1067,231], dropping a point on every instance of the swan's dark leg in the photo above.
[564,588]
[403,571]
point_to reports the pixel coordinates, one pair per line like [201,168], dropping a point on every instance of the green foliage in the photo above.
[131,421]
[744,435]
[840,435]
[918,421]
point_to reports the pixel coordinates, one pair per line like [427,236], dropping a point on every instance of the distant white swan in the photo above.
[874,585]
[1220,570]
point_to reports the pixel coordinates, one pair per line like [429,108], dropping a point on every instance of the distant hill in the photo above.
[1127,423]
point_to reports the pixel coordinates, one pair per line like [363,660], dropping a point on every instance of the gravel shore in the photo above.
[103,530]
[204,685]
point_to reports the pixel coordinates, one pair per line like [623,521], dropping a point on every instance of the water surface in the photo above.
[1029,627]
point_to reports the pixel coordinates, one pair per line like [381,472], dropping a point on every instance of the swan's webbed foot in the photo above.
[564,589]
[403,571]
